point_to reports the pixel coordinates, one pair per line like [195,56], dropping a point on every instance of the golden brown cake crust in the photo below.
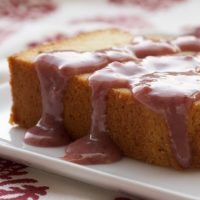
[140,133]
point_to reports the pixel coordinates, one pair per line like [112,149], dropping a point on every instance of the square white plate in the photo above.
[129,176]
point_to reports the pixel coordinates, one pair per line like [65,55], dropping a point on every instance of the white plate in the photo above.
[127,175]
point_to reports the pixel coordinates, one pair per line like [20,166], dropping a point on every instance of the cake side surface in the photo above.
[26,108]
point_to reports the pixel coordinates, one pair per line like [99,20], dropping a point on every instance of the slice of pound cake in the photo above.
[105,94]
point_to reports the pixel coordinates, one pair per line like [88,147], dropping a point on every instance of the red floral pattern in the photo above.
[150,5]
[126,21]
[12,188]
[122,21]
[25,9]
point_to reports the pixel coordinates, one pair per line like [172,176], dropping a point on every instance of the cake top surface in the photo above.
[92,41]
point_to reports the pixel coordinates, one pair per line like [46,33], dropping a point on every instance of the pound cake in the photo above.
[113,94]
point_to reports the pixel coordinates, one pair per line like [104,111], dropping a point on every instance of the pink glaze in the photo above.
[97,147]
[153,48]
[188,43]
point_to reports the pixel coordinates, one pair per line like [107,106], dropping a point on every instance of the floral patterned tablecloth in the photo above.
[19,182]
[27,23]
